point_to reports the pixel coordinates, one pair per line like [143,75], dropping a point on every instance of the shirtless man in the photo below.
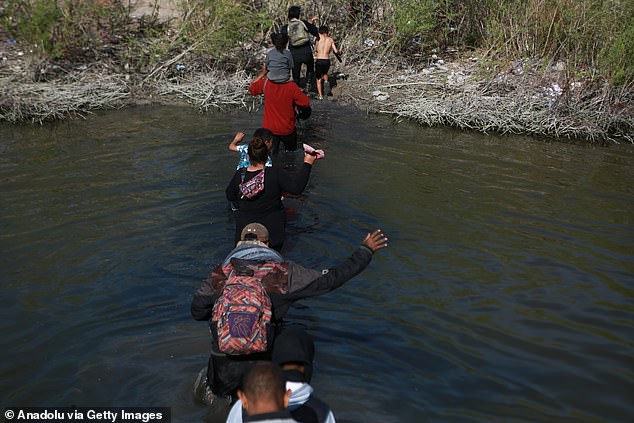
[322,62]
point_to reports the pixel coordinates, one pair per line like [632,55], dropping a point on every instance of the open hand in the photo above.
[375,241]
[239,137]
[309,158]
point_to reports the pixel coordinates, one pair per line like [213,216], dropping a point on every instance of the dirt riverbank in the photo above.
[443,88]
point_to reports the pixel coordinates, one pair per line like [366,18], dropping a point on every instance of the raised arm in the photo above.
[257,86]
[335,277]
[311,27]
[375,241]
[233,146]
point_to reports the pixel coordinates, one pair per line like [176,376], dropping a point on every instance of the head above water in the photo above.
[259,150]
[294,350]
[294,12]
[265,135]
[264,389]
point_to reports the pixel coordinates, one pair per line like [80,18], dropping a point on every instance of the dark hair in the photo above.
[323,29]
[265,382]
[293,12]
[279,40]
[258,151]
[263,133]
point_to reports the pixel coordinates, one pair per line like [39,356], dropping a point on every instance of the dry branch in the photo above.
[504,104]
[74,96]
[211,90]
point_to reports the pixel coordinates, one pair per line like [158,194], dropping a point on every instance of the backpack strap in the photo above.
[303,24]
[243,172]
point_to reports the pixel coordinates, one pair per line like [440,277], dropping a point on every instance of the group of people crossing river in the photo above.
[259,363]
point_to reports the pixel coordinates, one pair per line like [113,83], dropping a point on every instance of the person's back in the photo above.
[279,61]
[292,284]
[299,32]
[322,62]
[280,104]
[324,46]
[265,206]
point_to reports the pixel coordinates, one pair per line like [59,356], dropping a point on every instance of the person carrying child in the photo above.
[322,58]
[281,103]
[279,60]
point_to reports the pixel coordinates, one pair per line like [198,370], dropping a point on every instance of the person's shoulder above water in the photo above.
[264,395]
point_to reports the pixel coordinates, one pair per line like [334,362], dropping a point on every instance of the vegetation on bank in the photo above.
[589,42]
[595,38]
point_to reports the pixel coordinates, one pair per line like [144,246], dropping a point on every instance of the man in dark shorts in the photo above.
[322,62]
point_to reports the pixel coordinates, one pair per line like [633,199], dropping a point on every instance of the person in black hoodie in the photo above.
[266,205]
[291,282]
[294,351]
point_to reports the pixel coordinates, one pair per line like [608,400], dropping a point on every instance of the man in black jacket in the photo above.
[299,32]
[290,283]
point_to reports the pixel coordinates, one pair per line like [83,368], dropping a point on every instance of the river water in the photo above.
[506,293]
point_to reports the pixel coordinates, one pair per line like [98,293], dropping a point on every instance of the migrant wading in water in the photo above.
[257,192]
[243,149]
[264,394]
[294,351]
[285,283]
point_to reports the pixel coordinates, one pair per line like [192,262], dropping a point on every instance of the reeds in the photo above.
[213,90]
[502,104]
[75,96]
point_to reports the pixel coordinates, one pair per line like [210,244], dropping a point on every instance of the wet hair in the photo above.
[324,29]
[293,12]
[265,382]
[279,40]
[258,151]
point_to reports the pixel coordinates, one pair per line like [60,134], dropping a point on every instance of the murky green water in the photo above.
[506,293]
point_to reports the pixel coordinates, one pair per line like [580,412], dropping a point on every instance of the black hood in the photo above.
[295,345]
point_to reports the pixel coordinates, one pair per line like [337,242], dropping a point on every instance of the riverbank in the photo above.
[445,88]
